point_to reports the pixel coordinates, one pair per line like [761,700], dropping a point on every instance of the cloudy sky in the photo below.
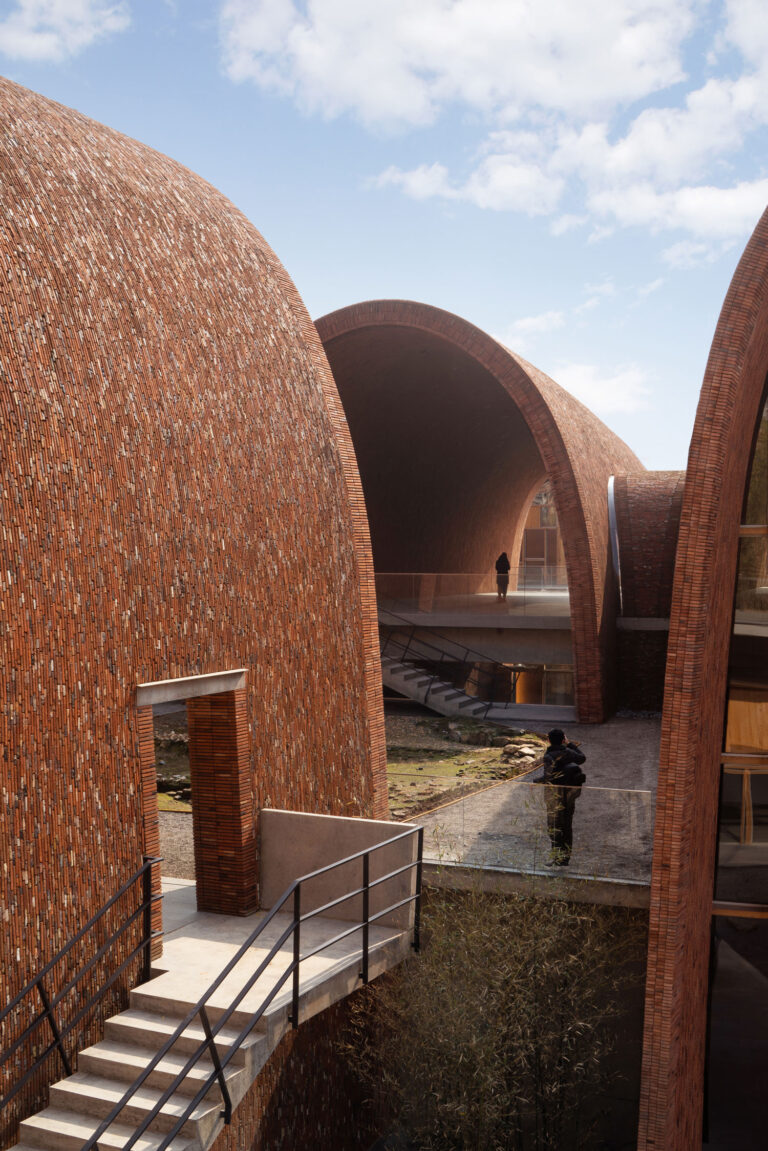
[577,177]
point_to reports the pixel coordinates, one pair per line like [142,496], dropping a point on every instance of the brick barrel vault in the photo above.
[466,377]
[701,619]
[179,497]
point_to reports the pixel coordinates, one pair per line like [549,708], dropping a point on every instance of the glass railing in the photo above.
[540,590]
[522,827]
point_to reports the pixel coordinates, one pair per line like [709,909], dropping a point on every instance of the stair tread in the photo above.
[164,1026]
[59,1121]
[83,1085]
[134,1058]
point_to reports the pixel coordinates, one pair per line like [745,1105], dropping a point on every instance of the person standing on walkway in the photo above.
[563,777]
[502,576]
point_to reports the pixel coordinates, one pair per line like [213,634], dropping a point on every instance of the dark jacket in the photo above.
[562,765]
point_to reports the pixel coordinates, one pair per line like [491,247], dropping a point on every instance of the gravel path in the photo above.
[176,845]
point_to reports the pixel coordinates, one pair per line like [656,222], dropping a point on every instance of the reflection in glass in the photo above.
[738,1053]
[756,503]
[752,580]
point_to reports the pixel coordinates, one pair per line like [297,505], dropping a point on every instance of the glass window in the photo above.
[756,503]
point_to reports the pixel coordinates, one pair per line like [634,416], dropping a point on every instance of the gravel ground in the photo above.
[176,844]
[176,827]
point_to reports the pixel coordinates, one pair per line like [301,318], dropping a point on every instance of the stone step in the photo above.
[61,1130]
[124,1063]
[147,1029]
[92,1095]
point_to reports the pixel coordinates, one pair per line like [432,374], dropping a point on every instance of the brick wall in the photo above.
[179,496]
[640,664]
[457,433]
[694,703]
[648,520]
[305,1097]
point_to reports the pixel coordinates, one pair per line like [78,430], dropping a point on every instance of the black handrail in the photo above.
[208,1045]
[460,654]
[37,986]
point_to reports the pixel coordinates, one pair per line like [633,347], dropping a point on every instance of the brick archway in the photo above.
[694,707]
[574,449]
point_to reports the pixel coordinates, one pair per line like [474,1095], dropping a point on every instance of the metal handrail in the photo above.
[208,1045]
[37,985]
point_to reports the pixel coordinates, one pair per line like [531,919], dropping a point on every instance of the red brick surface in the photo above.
[305,1098]
[179,496]
[453,434]
[694,705]
[647,520]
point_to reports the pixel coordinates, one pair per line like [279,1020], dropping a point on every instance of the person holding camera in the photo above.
[563,777]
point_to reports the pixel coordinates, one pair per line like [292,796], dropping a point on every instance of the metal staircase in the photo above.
[437,672]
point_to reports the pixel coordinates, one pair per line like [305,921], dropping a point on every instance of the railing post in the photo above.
[227,1112]
[54,1027]
[417,908]
[146,887]
[366,913]
[296,954]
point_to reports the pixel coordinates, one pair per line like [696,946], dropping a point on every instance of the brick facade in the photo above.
[694,705]
[439,409]
[648,509]
[179,497]
[648,520]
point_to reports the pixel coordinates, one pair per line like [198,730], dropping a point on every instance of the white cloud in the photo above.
[648,289]
[690,254]
[556,90]
[706,211]
[567,223]
[393,62]
[56,29]
[624,389]
[420,183]
[525,333]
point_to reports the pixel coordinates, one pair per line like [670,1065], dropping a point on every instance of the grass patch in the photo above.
[420,778]
[166,802]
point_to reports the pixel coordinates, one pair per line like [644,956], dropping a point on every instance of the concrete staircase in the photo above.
[80,1102]
[446,699]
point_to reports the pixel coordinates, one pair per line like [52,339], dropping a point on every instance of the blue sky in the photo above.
[576,177]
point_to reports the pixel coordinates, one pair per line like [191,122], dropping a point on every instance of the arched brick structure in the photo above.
[647,507]
[452,433]
[179,497]
[694,707]
[648,519]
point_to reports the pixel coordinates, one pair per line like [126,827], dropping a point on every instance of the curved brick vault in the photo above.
[453,435]
[648,520]
[694,706]
[179,497]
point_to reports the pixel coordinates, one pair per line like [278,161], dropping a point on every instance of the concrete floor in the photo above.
[198,946]
[505,826]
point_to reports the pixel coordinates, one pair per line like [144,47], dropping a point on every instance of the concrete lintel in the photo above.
[612,892]
[167,690]
[639,623]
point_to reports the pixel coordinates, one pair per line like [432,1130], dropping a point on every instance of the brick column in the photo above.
[224,820]
[150,816]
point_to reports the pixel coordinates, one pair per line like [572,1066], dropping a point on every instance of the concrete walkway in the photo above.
[505,826]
